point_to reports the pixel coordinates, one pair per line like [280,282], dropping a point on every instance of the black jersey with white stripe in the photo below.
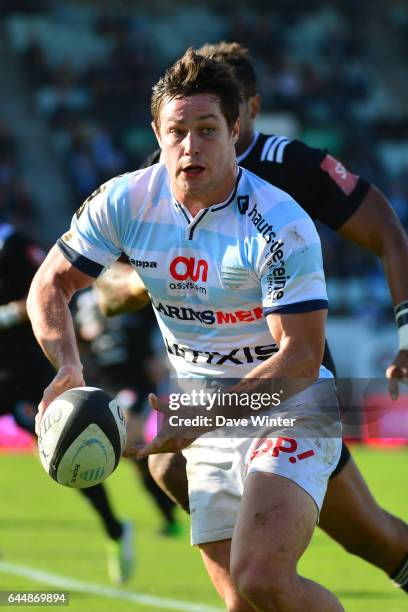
[322,186]
[20,356]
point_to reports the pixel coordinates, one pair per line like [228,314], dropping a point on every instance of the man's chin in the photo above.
[195,186]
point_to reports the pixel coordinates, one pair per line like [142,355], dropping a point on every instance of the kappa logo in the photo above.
[141,263]
[183,268]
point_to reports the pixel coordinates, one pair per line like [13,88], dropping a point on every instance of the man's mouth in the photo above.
[193,170]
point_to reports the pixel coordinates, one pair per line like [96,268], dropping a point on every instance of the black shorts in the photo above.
[345,453]
[344,457]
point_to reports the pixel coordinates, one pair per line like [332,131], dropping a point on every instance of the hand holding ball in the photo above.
[82,437]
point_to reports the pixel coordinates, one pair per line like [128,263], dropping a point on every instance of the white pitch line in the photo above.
[63,582]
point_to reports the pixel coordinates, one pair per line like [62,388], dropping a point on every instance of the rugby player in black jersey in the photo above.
[359,212]
[25,372]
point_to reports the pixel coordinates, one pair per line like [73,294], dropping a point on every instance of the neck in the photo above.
[244,141]
[195,202]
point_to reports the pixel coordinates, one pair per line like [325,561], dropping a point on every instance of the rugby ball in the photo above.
[82,437]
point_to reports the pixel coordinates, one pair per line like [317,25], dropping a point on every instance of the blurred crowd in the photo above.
[16,205]
[91,65]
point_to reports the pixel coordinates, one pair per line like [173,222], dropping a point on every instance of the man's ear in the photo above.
[254,106]
[156,131]
[235,130]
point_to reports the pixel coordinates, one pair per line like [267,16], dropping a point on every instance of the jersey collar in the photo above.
[214,207]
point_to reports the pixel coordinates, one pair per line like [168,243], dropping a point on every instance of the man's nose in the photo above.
[191,144]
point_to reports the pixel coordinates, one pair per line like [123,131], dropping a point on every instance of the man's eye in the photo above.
[208,130]
[176,131]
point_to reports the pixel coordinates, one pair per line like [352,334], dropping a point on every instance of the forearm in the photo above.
[376,227]
[121,290]
[394,257]
[52,324]
[289,362]
[288,372]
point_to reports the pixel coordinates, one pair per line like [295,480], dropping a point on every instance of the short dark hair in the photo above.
[195,74]
[238,57]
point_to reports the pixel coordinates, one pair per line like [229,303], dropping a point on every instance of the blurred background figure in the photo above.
[25,372]
[119,357]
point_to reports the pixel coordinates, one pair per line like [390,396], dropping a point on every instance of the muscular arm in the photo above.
[301,340]
[121,290]
[48,309]
[376,227]
[301,345]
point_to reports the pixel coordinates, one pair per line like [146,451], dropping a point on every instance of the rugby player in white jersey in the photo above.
[359,212]
[199,204]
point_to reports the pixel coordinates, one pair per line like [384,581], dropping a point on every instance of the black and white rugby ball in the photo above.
[82,437]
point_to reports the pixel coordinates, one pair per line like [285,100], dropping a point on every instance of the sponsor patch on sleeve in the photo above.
[339,174]
[67,236]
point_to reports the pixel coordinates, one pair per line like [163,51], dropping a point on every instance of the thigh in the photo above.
[274,525]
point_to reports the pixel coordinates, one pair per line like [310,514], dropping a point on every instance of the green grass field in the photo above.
[48,528]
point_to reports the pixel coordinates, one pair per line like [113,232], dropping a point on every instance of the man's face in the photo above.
[198,149]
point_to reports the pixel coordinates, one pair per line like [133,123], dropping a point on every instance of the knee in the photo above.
[258,586]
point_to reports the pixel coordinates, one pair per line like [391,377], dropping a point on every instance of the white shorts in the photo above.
[218,466]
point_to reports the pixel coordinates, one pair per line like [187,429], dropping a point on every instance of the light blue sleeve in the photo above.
[97,226]
[291,269]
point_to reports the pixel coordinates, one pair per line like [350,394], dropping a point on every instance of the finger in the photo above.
[140,451]
[49,396]
[153,401]
[393,371]
[157,405]
[392,374]
[393,388]
[133,451]
[38,417]
[42,407]
[37,424]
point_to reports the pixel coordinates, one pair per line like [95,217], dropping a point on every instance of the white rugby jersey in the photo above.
[211,278]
